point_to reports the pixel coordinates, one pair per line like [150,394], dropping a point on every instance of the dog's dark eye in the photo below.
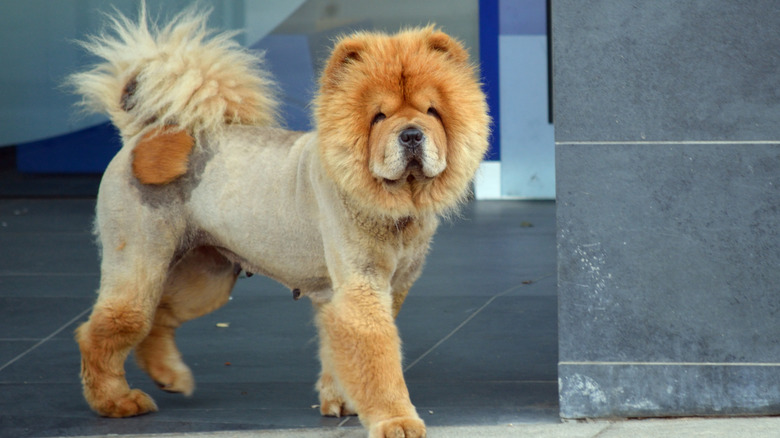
[378,118]
[432,112]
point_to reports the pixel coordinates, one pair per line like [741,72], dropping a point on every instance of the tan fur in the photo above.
[434,72]
[199,87]
[199,284]
[398,301]
[105,341]
[333,401]
[343,215]
[368,365]
[161,156]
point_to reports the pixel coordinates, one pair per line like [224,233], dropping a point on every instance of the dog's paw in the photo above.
[332,403]
[168,372]
[335,408]
[174,379]
[403,427]
[134,402]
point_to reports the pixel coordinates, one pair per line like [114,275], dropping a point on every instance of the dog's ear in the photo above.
[347,51]
[441,42]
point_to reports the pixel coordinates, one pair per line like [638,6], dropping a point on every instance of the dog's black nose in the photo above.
[411,139]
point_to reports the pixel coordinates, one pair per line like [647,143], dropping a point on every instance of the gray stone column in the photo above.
[667,126]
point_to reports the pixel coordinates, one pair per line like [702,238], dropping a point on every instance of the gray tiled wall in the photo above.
[667,124]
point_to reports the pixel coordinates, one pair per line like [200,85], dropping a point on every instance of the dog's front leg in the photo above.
[360,344]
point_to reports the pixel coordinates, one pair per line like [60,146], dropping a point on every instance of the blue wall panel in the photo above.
[528,155]
[523,17]
[488,56]
[86,151]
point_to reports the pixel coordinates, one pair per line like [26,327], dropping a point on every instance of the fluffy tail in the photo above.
[181,74]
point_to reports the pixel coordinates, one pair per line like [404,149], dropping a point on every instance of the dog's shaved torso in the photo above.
[260,197]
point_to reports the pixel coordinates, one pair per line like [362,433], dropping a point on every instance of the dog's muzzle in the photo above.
[412,141]
[410,158]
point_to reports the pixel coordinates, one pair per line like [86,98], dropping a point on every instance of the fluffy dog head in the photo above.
[402,121]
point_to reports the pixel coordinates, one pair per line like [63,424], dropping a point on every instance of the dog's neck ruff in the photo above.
[380,226]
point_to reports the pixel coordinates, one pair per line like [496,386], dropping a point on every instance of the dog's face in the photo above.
[402,121]
[407,142]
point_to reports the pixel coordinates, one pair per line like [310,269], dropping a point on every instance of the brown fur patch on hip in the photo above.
[161,156]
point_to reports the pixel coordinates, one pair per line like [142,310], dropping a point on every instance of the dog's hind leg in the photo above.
[199,283]
[120,319]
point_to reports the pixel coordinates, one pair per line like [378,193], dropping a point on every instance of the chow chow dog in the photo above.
[207,185]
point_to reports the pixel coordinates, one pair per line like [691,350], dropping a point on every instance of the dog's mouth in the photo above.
[414,172]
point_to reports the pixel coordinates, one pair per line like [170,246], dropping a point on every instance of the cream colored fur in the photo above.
[185,76]
[258,198]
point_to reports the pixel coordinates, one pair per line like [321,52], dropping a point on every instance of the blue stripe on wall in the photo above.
[85,151]
[488,57]
[523,17]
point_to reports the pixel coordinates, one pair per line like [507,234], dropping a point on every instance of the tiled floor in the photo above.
[479,328]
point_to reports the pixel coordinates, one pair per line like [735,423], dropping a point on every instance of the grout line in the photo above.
[470,317]
[48,274]
[19,339]
[42,341]
[688,364]
[667,142]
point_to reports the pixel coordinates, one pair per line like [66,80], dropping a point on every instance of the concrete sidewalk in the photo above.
[758,427]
